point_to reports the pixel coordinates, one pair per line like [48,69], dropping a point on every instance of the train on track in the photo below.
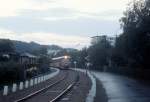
[62,62]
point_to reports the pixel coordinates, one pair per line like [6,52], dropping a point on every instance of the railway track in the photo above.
[65,91]
[52,86]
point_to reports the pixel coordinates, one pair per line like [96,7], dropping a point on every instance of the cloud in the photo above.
[81,26]
[48,38]
[93,6]
[14,7]
[61,19]
[49,13]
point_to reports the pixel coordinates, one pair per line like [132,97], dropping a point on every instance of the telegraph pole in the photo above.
[75,65]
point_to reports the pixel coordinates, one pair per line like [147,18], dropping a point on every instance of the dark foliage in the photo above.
[6,46]
[99,53]
[132,49]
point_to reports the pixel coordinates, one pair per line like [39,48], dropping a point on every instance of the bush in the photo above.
[10,71]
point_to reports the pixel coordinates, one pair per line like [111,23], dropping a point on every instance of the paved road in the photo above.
[123,89]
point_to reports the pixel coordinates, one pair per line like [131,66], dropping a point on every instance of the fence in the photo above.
[28,83]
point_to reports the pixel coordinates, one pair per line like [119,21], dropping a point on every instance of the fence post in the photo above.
[14,87]
[21,86]
[26,84]
[35,81]
[41,79]
[38,80]
[31,82]
[44,77]
[5,91]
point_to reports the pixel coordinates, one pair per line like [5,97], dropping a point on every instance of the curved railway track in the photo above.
[65,91]
[65,81]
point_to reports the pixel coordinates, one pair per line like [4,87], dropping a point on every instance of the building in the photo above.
[96,39]
[29,63]
[27,58]
[112,40]
[25,62]
[24,58]
[5,57]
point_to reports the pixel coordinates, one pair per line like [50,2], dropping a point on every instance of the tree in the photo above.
[82,59]
[118,54]
[78,56]
[6,46]
[136,33]
[41,51]
[99,53]
[44,62]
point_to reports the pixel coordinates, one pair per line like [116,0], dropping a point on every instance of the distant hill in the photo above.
[71,49]
[25,47]
[32,46]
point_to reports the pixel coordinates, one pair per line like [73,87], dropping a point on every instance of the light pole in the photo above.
[87,64]
[75,64]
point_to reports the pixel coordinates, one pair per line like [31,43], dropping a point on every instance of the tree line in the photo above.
[10,68]
[130,55]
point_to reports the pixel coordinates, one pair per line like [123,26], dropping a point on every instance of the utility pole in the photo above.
[75,65]
[87,64]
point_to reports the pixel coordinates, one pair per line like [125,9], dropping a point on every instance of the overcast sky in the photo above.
[69,23]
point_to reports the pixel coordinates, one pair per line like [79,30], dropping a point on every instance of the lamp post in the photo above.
[75,64]
[87,64]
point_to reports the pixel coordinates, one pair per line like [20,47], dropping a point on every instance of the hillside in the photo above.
[32,46]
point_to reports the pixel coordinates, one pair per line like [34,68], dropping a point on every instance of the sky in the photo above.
[68,23]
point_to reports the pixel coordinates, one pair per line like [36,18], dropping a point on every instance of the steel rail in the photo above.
[65,90]
[41,90]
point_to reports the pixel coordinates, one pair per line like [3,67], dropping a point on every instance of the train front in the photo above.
[62,62]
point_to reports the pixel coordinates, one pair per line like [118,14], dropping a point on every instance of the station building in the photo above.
[27,62]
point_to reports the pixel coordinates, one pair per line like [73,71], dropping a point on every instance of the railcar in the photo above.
[62,62]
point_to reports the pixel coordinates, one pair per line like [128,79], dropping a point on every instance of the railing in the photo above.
[26,84]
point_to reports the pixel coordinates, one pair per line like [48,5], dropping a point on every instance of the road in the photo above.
[123,89]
